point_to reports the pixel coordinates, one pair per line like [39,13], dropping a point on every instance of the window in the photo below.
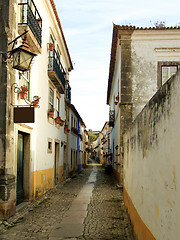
[71,157]
[51,98]
[167,72]
[57,106]
[71,121]
[49,147]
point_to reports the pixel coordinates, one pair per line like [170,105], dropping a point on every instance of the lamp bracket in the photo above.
[14,41]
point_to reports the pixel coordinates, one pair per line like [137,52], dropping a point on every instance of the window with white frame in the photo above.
[49,145]
[51,98]
[167,72]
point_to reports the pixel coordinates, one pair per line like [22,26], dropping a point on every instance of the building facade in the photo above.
[142,59]
[34,143]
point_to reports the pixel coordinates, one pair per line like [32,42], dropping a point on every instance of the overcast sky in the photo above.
[88,26]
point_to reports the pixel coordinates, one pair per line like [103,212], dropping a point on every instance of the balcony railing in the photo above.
[30,16]
[68,93]
[111,118]
[56,67]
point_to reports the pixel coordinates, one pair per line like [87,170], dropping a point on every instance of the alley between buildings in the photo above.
[88,206]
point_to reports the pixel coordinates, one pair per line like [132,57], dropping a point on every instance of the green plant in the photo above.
[92,138]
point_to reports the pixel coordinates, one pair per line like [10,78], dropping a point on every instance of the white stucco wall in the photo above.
[148,48]
[43,129]
[116,91]
[151,163]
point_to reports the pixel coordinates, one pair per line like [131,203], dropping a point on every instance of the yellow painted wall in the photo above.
[140,229]
[41,182]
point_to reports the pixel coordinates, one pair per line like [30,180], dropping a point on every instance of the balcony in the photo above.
[31,21]
[111,118]
[68,93]
[56,71]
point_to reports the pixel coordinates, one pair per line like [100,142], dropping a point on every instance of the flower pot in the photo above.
[23,94]
[51,46]
[57,120]
[35,103]
[39,21]
[61,123]
[51,114]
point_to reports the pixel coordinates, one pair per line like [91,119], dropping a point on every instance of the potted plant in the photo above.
[23,92]
[115,103]
[35,102]
[51,112]
[66,127]
[57,120]
[39,21]
[51,46]
[61,123]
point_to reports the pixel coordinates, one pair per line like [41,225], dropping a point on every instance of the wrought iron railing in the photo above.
[68,92]
[29,15]
[111,118]
[56,66]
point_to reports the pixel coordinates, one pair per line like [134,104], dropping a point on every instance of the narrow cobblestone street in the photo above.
[105,219]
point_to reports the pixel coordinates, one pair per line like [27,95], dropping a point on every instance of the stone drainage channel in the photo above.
[72,225]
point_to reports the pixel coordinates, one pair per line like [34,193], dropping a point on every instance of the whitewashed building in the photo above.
[34,152]
[142,59]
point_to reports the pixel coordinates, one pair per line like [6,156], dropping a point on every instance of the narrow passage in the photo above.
[87,207]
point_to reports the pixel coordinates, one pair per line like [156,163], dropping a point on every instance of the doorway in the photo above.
[20,167]
[56,164]
[23,168]
[65,173]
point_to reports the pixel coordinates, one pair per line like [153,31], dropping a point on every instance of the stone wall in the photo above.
[151,166]
[7,178]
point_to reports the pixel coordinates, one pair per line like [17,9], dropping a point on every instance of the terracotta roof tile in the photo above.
[130,27]
[58,20]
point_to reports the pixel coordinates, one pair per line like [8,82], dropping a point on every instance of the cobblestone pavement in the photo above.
[106,219]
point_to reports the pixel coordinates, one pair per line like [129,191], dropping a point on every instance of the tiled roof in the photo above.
[57,17]
[129,27]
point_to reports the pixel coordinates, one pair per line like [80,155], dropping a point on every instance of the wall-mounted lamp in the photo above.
[22,56]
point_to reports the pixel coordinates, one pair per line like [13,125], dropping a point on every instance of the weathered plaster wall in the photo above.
[151,166]
[148,48]
[7,179]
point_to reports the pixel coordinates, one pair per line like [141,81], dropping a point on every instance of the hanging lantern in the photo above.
[22,57]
